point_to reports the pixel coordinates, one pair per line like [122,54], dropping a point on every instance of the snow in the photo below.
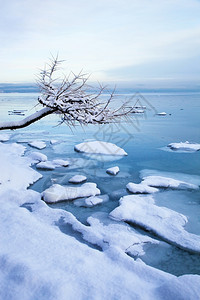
[184,146]
[113,170]
[40,260]
[164,222]
[60,163]
[4,137]
[161,114]
[99,147]
[140,188]
[170,180]
[37,157]
[45,165]
[60,193]
[15,169]
[91,201]
[37,144]
[53,142]
[77,179]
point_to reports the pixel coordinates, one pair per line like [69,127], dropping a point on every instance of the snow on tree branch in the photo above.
[70,99]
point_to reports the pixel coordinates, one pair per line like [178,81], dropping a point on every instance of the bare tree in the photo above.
[70,99]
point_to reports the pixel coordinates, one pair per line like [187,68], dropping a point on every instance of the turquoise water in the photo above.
[144,138]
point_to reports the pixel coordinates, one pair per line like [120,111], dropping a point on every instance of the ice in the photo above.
[60,193]
[113,170]
[60,163]
[37,144]
[164,222]
[53,142]
[161,114]
[45,165]
[99,147]
[140,188]
[78,179]
[4,137]
[15,169]
[169,179]
[184,146]
[91,201]
[37,157]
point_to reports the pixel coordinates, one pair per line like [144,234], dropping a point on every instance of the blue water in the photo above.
[143,137]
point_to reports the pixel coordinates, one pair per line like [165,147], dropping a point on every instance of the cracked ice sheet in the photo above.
[169,179]
[164,222]
[38,261]
[15,169]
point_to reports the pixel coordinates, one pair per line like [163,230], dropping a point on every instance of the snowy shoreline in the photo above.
[33,244]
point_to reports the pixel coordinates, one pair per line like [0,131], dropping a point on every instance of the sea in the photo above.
[145,137]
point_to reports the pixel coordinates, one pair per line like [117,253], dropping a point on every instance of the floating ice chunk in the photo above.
[113,171]
[4,137]
[60,163]
[191,180]
[140,188]
[162,221]
[99,147]
[165,182]
[15,170]
[58,193]
[161,114]
[91,201]
[184,146]
[37,157]
[53,142]
[37,144]
[77,179]
[46,165]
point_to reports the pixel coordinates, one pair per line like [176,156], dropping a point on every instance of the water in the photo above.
[143,138]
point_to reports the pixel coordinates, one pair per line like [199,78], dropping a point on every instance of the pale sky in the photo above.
[114,40]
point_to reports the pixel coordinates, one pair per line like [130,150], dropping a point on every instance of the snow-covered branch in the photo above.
[70,99]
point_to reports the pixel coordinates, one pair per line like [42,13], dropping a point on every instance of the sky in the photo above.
[113,40]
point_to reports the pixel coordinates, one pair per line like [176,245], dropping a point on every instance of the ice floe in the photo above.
[78,179]
[161,114]
[168,179]
[4,137]
[37,157]
[60,193]
[162,221]
[91,201]
[140,188]
[99,147]
[186,146]
[113,170]
[60,163]
[37,144]
[45,165]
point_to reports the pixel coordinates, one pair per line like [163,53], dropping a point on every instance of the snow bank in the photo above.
[37,144]
[15,170]
[140,188]
[77,179]
[184,146]
[113,171]
[164,222]
[99,147]
[60,193]
[169,179]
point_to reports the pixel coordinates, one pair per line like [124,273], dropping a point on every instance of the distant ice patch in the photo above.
[186,146]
